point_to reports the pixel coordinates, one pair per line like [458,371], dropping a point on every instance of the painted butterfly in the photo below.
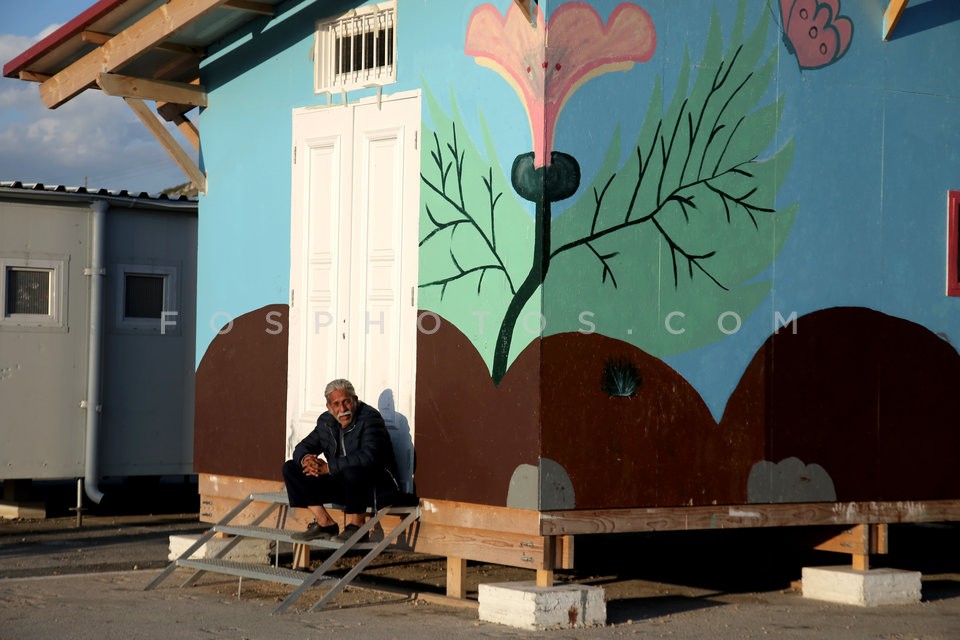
[815,32]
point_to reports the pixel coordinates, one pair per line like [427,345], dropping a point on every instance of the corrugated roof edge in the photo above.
[121,193]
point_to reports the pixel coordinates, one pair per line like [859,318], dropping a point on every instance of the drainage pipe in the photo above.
[97,273]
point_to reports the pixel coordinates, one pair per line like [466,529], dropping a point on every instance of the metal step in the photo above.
[254,571]
[269,533]
[280,497]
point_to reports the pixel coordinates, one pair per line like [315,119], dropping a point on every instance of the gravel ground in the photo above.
[58,581]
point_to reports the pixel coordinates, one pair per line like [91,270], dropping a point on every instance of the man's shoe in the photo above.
[316,532]
[347,533]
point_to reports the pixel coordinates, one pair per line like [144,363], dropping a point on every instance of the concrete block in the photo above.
[864,588]
[527,606]
[13,510]
[248,550]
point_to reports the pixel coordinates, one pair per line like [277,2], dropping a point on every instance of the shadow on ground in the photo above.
[135,495]
[718,562]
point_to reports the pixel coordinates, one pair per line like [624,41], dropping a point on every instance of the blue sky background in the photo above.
[92,140]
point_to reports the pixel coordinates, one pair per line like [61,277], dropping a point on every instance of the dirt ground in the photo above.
[711,584]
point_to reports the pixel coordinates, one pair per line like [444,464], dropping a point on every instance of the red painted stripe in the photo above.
[61,35]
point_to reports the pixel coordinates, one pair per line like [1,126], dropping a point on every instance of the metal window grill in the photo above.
[143,295]
[357,50]
[28,291]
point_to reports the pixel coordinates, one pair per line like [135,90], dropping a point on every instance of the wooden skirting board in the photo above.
[498,535]
[543,541]
[553,523]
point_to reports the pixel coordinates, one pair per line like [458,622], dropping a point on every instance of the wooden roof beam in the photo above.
[166,140]
[96,37]
[170,111]
[892,16]
[143,35]
[158,90]
[33,76]
[189,131]
[261,8]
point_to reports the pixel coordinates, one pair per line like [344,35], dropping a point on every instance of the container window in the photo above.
[28,291]
[143,295]
[32,293]
[146,299]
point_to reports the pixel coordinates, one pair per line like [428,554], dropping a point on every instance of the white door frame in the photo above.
[334,143]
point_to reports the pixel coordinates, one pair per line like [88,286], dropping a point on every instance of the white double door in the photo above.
[353,261]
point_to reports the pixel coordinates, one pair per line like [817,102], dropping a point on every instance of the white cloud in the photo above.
[13,45]
[16,96]
[92,139]
[44,33]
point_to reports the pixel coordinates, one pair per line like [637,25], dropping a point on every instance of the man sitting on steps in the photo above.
[347,459]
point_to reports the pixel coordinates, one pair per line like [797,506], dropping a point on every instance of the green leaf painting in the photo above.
[474,232]
[655,251]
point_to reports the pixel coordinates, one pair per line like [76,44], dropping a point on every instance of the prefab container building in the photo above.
[98,295]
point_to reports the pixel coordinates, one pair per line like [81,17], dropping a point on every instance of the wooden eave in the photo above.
[140,37]
[139,50]
[192,95]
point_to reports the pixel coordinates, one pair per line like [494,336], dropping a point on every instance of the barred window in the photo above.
[357,49]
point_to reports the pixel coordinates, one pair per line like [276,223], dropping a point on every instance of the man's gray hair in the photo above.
[338,384]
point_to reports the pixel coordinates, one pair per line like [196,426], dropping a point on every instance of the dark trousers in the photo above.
[352,488]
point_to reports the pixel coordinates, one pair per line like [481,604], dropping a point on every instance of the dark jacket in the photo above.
[364,444]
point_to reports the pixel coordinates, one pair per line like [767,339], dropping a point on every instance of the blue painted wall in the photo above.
[876,149]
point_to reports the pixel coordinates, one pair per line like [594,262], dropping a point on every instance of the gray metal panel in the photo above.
[43,370]
[148,379]
[147,417]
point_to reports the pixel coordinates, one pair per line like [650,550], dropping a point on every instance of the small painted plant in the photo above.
[621,378]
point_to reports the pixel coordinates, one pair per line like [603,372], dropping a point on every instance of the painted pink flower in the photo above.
[546,63]
[815,31]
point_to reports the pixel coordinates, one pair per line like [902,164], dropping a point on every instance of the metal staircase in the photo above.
[301,579]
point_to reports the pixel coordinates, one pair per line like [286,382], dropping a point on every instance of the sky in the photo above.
[93,140]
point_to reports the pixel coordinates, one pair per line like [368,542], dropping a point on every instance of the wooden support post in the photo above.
[859,541]
[877,542]
[456,577]
[879,539]
[545,575]
[166,140]
[189,131]
[861,561]
[301,556]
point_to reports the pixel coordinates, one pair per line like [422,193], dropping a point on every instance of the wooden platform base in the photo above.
[543,541]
